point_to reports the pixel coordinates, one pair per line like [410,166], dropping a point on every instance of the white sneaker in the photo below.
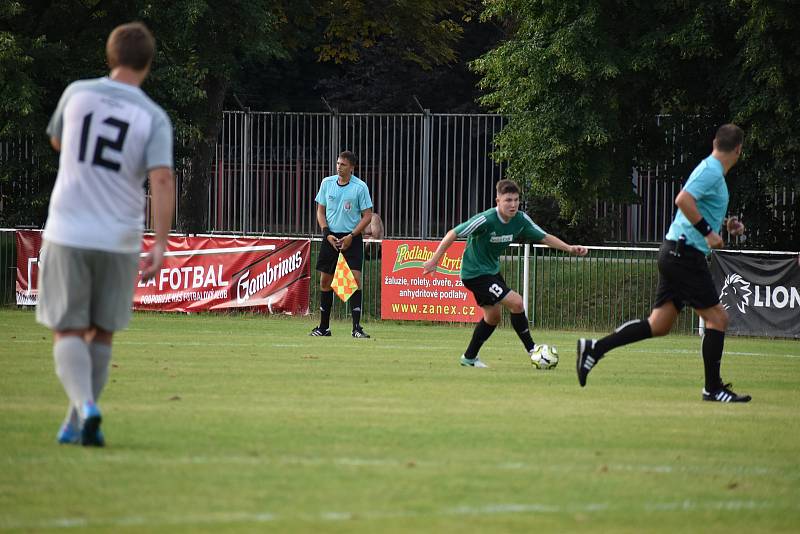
[472,362]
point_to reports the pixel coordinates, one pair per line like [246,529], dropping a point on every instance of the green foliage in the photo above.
[39,55]
[203,48]
[197,60]
[424,31]
[764,95]
[584,80]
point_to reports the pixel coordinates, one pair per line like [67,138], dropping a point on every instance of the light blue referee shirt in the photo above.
[707,185]
[343,203]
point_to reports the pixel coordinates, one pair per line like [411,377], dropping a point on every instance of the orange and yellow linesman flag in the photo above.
[344,283]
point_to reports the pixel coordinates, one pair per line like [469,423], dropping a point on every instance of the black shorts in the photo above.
[328,256]
[489,289]
[685,278]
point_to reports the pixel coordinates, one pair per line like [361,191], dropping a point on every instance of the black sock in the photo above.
[481,333]
[630,332]
[520,323]
[325,305]
[355,308]
[713,342]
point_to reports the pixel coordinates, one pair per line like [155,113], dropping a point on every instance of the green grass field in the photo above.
[244,423]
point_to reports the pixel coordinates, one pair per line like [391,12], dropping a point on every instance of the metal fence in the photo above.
[426,172]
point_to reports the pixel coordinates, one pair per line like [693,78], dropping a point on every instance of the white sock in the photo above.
[101,362]
[100,354]
[74,369]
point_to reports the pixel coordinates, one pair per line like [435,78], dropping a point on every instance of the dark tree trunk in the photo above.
[193,213]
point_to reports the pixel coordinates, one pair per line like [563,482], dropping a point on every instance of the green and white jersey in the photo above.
[488,236]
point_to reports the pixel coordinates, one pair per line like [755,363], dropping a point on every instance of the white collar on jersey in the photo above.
[500,216]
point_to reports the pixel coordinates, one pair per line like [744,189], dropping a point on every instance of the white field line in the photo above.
[395,463]
[696,352]
[426,347]
[308,345]
[485,510]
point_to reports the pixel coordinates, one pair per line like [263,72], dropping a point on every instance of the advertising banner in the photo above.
[206,274]
[408,295]
[29,242]
[760,292]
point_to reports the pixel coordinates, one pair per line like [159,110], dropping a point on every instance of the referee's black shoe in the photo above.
[319,332]
[359,332]
[586,359]
[724,394]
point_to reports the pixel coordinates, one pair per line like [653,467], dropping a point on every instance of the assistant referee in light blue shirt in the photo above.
[344,210]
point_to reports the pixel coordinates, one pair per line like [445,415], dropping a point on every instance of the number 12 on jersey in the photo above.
[103,143]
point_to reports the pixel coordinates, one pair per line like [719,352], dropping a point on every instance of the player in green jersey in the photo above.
[488,235]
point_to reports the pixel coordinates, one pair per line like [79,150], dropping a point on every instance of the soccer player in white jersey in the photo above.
[111,136]
[489,234]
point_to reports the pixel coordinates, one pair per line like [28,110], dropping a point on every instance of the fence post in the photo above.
[334,139]
[425,182]
[525,272]
[246,174]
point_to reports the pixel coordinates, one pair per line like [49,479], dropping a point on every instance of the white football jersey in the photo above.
[111,134]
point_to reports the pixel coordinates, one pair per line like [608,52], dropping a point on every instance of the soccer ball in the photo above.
[544,357]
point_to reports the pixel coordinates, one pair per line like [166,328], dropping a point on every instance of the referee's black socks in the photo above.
[713,343]
[355,307]
[325,305]
[630,332]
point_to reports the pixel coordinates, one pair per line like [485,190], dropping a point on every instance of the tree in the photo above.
[39,55]
[217,41]
[583,82]
[764,96]
[381,81]
[198,58]
[202,47]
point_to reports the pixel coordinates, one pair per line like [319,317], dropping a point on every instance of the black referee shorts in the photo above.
[328,256]
[684,278]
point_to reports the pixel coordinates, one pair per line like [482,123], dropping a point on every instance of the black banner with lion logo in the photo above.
[760,292]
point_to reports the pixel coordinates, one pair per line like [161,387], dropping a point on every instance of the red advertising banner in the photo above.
[29,242]
[208,274]
[407,294]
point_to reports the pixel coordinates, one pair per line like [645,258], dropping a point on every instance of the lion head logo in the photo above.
[735,292]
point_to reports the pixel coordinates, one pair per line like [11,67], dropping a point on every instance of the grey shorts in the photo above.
[80,288]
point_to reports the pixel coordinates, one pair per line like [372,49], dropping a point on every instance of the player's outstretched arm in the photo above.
[554,242]
[430,265]
[162,190]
